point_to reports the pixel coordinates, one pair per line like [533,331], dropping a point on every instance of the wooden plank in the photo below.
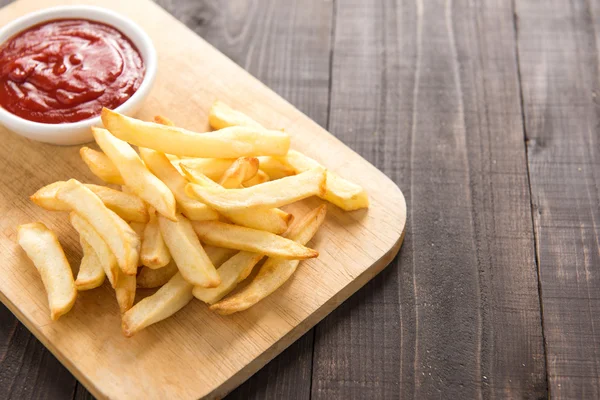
[196,353]
[428,92]
[558,58]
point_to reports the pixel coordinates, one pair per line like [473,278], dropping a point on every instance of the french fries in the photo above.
[135,174]
[270,220]
[275,271]
[271,194]
[242,169]
[154,253]
[90,275]
[238,237]
[121,239]
[257,179]
[105,256]
[186,250]
[127,206]
[231,142]
[222,116]
[275,168]
[43,248]
[101,166]
[125,291]
[167,300]
[213,168]
[164,170]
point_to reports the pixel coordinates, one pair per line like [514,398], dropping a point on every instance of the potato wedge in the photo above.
[257,179]
[121,239]
[43,248]
[271,220]
[90,275]
[242,169]
[233,271]
[101,166]
[135,174]
[127,206]
[275,168]
[213,168]
[166,172]
[222,116]
[270,194]
[220,234]
[231,142]
[339,191]
[125,291]
[275,271]
[105,256]
[186,250]
[154,253]
[167,300]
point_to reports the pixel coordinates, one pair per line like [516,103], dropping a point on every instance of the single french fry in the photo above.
[186,250]
[275,271]
[242,169]
[271,220]
[90,275]
[161,119]
[127,206]
[105,256]
[222,116]
[154,253]
[101,166]
[139,228]
[339,191]
[121,239]
[270,194]
[166,172]
[135,174]
[220,234]
[125,291]
[231,142]
[257,179]
[213,168]
[43,248]
[232,271]
[167,300]
[275,168]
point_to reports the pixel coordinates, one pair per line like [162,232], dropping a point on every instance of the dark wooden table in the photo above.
[485,113]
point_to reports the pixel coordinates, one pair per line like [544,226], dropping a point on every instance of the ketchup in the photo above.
[66,70]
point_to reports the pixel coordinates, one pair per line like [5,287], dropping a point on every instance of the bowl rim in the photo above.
[125,25]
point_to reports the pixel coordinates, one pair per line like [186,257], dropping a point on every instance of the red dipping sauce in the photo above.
[66,70]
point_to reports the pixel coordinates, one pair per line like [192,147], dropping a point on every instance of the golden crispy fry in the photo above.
[149,278]
[234,270]
[90,275]
[164,170]
[271,220]
[275,271]
[160,119]
[101,166]
[222,116]
[271,194]
[105,256]
[135,174]
[231,142]
[275,168]
[167,300]
[154,253]
[213,168]
[257,179]
[125,291]
[43,248]
[344,194]
[186,250]
[127,206]
[242,169]
[217,233]
[121,239]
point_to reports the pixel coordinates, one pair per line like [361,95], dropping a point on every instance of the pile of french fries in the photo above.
[195,214]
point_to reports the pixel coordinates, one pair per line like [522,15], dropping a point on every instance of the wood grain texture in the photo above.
[197,353]
[558,54]
[428,91]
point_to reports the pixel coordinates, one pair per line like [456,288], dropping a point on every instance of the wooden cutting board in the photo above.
[195,353]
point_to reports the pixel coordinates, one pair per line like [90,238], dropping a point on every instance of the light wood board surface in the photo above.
[196,353]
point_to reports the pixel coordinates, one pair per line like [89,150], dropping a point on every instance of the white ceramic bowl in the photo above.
[80,132]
